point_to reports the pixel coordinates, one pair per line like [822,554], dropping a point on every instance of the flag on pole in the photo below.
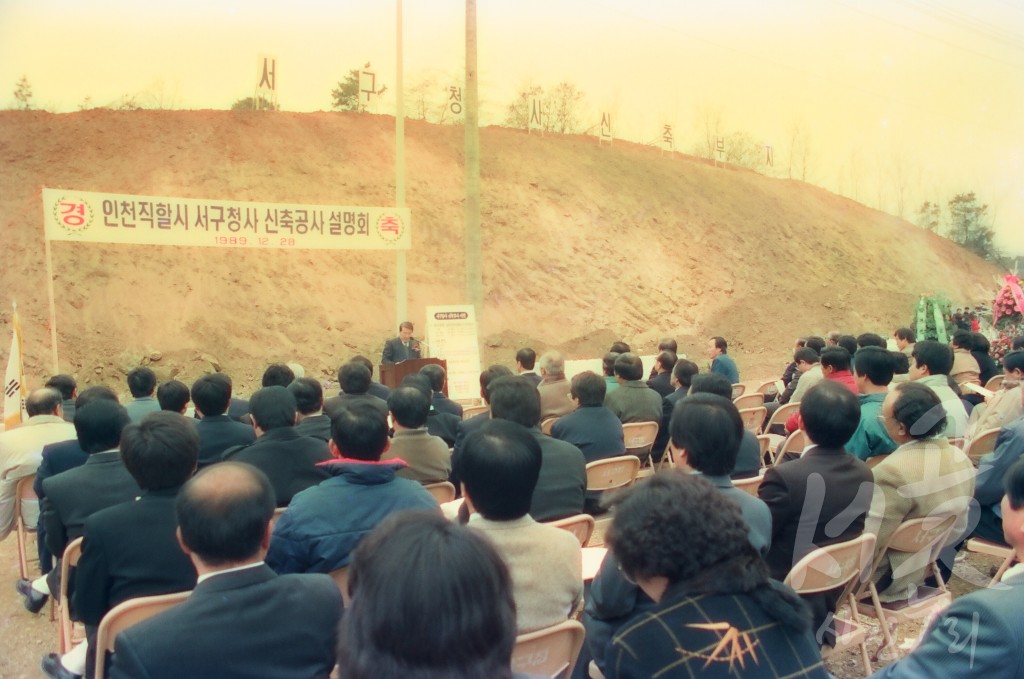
[14,378]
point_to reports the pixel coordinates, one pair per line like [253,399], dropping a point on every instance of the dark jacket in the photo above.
[334,405]
[317,426]
[443,404]
[562,486]
[662,383]
[595,430]
[288,459]
[217,433]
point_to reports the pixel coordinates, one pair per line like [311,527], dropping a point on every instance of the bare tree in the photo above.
[23,93]
[563,105]
[518,112]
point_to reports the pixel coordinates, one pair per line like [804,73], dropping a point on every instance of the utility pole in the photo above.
[401,288]
[474,280]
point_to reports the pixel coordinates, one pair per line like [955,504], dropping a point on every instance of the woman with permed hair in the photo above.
[718,613]
[430,600]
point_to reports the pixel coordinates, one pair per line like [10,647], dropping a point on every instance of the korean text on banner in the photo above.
[86,217]
[14,378]
[452,334]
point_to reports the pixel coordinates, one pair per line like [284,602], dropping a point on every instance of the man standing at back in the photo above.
[721,361]
[242,620]
[401,348]
[141,384]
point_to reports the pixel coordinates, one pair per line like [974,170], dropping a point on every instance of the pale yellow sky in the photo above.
[928,90]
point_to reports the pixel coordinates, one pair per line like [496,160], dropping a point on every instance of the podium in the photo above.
[392,374]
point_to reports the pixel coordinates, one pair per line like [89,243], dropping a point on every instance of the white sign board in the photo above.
[452,335]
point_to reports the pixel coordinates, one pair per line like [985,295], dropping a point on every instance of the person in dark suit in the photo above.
[444,425]
[827,489]
[73,496]
[661,382]
[173,395]
[438,400]
[242,620]
[309,399]
[682,373]
[668,344]
[354,378]
[526,359]
[748,459]
[376,388]
[211,395]
[562,485]
[130,550]
[288,459]
[401,348]
[60,457]
[467,427]
[592,428]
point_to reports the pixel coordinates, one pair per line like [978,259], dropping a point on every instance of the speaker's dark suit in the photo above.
[217,433]
[396,352]
[288,459]
[247,624]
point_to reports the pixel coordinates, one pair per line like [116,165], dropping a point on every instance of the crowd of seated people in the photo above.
[273,514]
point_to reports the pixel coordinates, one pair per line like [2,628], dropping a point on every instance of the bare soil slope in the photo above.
[582,245]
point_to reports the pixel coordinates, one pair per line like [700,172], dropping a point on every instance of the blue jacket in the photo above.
[871,438]
[324,524]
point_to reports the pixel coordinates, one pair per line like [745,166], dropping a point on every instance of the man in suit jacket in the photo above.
[401,348]
[661,381]
[980,634]
[376,388]
[467,427]
[355,379]
[748,459]
[242,620]
[211,395]
[309,399]
[75,495]
[427,456]
[633,401]
[440,402]
[682,374]
[288,459]
[561,488]
[592,427]
[554,388]
[526,358]
[141,384]
[130,550]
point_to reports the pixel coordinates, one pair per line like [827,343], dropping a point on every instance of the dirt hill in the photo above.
[582,245]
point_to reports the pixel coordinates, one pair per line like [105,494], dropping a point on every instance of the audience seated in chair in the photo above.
[309,403]
[211,395]
[682,374]
[930,365]
[439,401]
[633,401]
[592,427]
[873,370]
[141,384]
[661,378]
[427,456]
[553,387]
[474,423]
[748,458]
[721,361]
[355,379]
[526,358]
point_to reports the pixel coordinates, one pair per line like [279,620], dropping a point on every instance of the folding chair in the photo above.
[68,633]
[753,418]
[764,442]
[472,411]
[738,389]
[580,525]
[443,491]
[639,438]
[24,493]
[750,485]
[754,399]
[340,577]
[981,445]
[767,388]
[923,538]
[545,426]
[779,418]
[794,443]
[124,615]
[995,382]
[612,472]
[550,652]
[832,567]
[980,546]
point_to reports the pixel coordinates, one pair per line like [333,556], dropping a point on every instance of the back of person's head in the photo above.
[588,388]
[211,394]
[224,511]
[629,367]
[360,432]
[499,466]
[935,356]
[874,363]
[173,395]
[919,410]
[43,401]
[490,374]
[552,363]
[272,408]
[836,358]
[806,355]
[98,425]
[720,344]
[277,375]
[1013,360]
[905,334]
[160,451]
[684,371]
[816,343]
[515,399]
[848,342]
[709,428]
[435,374]
[419,381]
[900,363]
[667,359]
[409,406]
[832,338]
[365,361]
[711,383]
[396,585]
[668,344]
[980,343]
[309,395]
[870,339]
[962,339]
[354,378]
[65,384]
[526,357]
[141,382]
[831,413]
[96,393]
[619,347]
[608,363]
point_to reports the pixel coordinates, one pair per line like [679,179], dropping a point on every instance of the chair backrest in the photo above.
[764,442]
[550,652]
[580,525]
[831,567]
[65,628]
[995,382]
[754,399]
[981,445]
[612,472]
[639,437]
[442,491]
[750,485]
[753,418]
[768,388]
[126,614]
[738,390]
[340,577]
[471,411]
[25,492]
[546,425]
[780,416]
[916,535]
[794,443]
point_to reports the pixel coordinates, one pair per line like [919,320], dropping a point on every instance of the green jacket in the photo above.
[870,439]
